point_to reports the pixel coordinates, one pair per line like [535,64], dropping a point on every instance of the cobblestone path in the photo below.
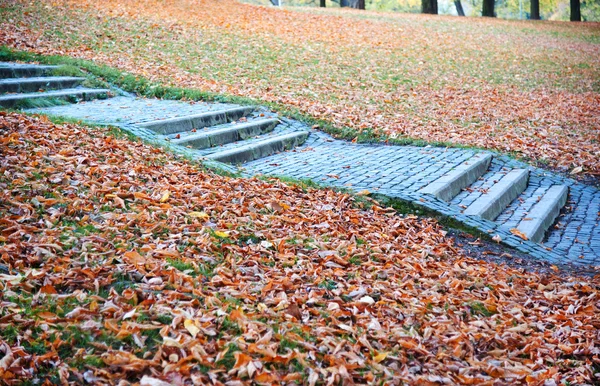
[544,214]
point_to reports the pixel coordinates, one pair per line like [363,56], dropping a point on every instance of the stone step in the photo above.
[543,214]
[16,70]
[260,148]
[450,184]
[225,135]
[70,94]
[489,205]
[199,121]
[21,85]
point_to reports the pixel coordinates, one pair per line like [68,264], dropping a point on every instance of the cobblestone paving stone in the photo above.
[400,171]
[394,171]
[130,110]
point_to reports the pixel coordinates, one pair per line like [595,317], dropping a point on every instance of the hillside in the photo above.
[529,88]
[119,270]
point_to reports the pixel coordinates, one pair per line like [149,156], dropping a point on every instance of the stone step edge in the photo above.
[24,70]
[197,121]
[38,82]
[10,100]
[490,205]
[260,149]
[450,184]
[543,213]
[207,139]
[535,250]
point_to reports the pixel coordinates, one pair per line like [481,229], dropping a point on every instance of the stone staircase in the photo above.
[224,133]
[546,215]
[23,85]
[232,135]
[488,193]
[549,216]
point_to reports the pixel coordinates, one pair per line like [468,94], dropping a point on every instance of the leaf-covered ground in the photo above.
[526,87]
[123,262]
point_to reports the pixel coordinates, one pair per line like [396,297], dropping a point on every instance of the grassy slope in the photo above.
[524,87]
[126,262]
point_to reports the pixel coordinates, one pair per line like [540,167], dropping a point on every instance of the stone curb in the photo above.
[260,149]
[448,186]
[25,85]
[206,139]
[198,121]
[490,205]
[12,100]
[544,213]
[12,70]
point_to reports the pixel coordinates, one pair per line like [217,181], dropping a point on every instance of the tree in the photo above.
[488,8]
[535,10]
[575,10]
[357,4]
[322,3]
[459,8]
[429,6]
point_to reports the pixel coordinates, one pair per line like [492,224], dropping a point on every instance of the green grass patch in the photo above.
[406,207]
[228,360]
[143,87]
[479,309]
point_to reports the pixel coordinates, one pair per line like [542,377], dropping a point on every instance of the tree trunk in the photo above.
[459,9]
[361,4]
[535,10]
[575,10]
[429,6]
[488,8]
[344,3]
[322,3]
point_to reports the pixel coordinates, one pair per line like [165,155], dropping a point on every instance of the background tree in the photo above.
[322,3]
[488,8]
[429,6]
[535,10]
[459,8]
[575,10]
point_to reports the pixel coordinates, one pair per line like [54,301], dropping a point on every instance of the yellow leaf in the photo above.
[165,196]
[517,232]
[170,342]
[191,327]
[520,328]
[380,357]
[578,169]
[221,234]
[363,193]
[198,214]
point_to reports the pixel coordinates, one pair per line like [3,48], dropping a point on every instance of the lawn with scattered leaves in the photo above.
[123,262]
[531,88]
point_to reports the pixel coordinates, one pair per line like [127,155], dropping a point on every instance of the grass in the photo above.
[103,76]
[404,79]
[228,360]
[148,304]
[406,207]
[108,75]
